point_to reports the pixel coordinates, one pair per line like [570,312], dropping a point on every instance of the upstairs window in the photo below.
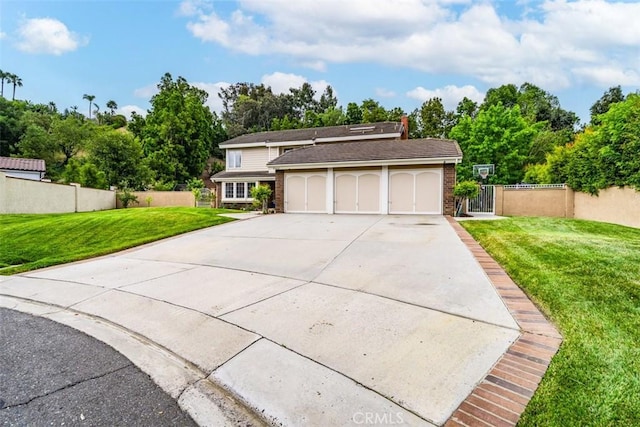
[234,159]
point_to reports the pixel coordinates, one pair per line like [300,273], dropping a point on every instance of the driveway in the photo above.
[303,319]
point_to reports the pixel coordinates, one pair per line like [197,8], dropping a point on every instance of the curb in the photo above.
[501,397]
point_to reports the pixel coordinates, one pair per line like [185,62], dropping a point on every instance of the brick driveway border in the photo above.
[502,396]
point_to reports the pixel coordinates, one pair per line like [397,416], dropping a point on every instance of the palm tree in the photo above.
[3,75]
[89,98]
[112,106]
[53,107]
[96,112]
[16,81]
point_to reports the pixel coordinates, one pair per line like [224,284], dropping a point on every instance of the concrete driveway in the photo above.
[302,319]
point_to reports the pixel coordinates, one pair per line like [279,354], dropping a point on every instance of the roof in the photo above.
[243,174]
[359,151]
[313,134]
[15,163]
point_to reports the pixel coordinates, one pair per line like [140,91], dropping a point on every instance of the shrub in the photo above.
[126,197]
[260,195]
[465,190]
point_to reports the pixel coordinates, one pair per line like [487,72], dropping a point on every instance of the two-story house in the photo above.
[367,168]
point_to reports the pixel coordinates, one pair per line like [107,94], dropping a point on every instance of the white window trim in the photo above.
[235,155]
[235,198]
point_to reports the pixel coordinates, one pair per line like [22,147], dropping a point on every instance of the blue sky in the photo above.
[399,52]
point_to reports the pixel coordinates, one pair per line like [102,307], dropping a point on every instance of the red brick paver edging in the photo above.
[500,398]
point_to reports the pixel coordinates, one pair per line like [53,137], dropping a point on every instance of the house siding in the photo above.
[253,159]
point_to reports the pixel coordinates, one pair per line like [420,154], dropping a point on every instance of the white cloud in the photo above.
[451,95]
[315,65]
[385,93]
[48,36]
[214,102]
[146,92]
[128,109]
[282,82]
[547,44]
[2,35]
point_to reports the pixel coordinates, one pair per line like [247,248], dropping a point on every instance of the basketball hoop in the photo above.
[483,171]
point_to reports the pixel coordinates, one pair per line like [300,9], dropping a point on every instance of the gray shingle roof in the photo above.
[15,163]
[370,151]
[243,174]
[307,134]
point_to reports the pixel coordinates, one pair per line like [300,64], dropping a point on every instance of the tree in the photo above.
[89,98]
[15,81]
[500,136]
[177,134]
[3,76]
[432,120]
[112,106]
[507,95]
[602,105]
[354,114]
[372,111]
[466,107]
[120,156]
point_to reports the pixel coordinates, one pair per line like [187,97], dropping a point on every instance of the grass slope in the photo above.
[586,277]
[28,242]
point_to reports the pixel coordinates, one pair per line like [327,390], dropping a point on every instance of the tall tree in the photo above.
[3,76]
[433,120]
[120,156]
[15,81]
[354,114]
[177,133]
[499,136]
[89,98]
[112,106]
[611,96]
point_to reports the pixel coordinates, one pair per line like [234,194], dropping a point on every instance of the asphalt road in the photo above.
[54,375]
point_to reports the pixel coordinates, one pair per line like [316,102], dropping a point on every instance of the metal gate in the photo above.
[485,202]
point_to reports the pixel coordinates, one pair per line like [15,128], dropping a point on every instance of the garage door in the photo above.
[305,192]
[416,191]
[357,192]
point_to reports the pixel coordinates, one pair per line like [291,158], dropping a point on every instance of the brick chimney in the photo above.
[405,125]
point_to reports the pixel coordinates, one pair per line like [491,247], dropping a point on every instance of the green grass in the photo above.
[585,276]
[28,242]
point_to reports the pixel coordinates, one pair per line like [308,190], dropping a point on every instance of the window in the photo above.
[238,190]
[234,159]
[240,187]
[228,190]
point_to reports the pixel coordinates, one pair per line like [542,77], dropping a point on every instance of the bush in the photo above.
[126,197]
[465,190]
[260,195]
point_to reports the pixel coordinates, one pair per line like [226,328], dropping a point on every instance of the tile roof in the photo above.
[355,151]
[308,134]
[15,163]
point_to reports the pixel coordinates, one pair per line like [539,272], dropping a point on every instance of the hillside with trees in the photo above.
[523,131]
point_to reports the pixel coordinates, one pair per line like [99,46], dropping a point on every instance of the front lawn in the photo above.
[28,242]
[585,276]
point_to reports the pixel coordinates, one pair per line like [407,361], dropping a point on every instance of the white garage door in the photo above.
[305,192]
[357,192]
[415,191]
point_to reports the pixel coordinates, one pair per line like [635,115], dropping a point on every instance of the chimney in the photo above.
[405,127]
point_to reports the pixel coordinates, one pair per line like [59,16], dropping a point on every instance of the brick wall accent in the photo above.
[449,181]
[279,193]
[218,191]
